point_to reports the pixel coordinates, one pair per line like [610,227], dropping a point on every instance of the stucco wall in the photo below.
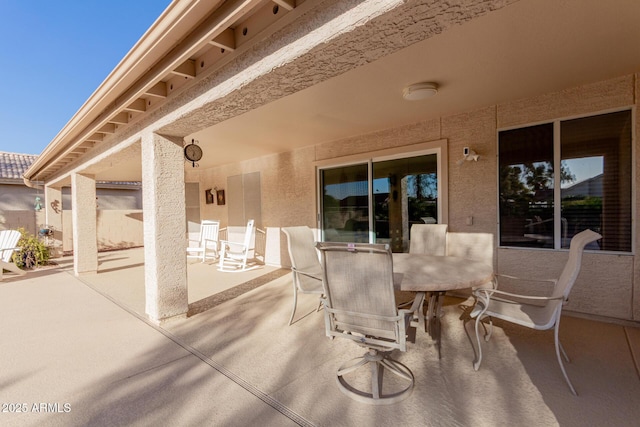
[109,198]
[606,286]
[27,219]
[288,195]
[114,228]
[18,197]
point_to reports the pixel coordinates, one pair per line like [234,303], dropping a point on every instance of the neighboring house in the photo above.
[591,187]
[119,207]
[17,201]
[294,101]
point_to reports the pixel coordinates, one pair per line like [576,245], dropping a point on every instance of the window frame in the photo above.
[557,191]
[438,147]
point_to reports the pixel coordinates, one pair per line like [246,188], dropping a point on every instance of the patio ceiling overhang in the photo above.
[480,54]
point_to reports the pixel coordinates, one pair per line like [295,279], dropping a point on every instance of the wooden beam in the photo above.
[107,128]
[287,4]
[159,90]
[226,40]
[137,106]
[96,137]
[186,69]
[120,118]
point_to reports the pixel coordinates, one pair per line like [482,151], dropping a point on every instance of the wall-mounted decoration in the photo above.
[209,196]
[220,196]
[193,153]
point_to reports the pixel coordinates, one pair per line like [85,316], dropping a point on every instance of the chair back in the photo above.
[8,242]
[248,233]
[474,246]
[360,300]
[429,239]
[304,256]
[572,267]
[209,230]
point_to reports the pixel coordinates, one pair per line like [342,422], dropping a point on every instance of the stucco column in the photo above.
[163,201]
[53,212]
[83,214]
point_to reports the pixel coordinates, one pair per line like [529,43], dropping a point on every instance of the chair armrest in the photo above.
[229,243]
[417,303]
[488,293]
[304,273]
[525,280]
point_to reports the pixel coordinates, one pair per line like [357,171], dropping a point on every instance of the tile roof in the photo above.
[13,165]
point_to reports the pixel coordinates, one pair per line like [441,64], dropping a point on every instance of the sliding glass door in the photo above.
[345,203]
[379,200]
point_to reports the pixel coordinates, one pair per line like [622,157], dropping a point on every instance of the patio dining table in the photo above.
[434,275]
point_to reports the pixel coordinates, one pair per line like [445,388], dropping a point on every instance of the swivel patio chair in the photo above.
[234,255]
[207,246]
[305,264]
[8,244]
[359,305]
[492,302]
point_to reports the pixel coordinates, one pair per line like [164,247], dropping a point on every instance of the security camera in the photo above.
[466,151]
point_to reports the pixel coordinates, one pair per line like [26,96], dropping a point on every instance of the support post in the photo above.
[84,214]
[163,193]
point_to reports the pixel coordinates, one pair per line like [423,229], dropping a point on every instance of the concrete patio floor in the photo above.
[80,351]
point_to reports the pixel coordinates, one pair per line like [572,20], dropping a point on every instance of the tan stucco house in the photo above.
[305,114]
[119,208]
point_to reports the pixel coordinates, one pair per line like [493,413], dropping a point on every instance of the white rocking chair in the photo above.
[234,255]
[208,243]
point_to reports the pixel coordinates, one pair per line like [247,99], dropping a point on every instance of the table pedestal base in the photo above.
[433,325]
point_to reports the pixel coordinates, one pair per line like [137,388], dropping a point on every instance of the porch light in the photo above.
[419,91]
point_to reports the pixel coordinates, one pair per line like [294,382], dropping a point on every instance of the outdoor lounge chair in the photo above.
[208,242]
[492,302]
[429,239]
[305,264]
[234,255]
[360,305]
[8,244]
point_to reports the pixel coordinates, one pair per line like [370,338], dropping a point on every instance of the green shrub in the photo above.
[32,252]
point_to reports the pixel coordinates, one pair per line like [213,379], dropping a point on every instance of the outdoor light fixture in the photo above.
[419,91]
[467,155]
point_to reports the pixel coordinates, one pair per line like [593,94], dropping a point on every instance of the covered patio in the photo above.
[276,92]
[287,99]
[87,343]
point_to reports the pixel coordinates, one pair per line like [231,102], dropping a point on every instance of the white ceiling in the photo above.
[525,49]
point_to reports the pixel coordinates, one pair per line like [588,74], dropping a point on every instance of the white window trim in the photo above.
[557,195]
[438,147]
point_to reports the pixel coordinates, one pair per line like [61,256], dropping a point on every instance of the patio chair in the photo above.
[207,243]
[305,264]
[234,255]
[429,239]
[507,306]
[359,305]
[8,244]
[475,246]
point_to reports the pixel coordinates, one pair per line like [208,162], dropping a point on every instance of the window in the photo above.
[378,200]
[560,178]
